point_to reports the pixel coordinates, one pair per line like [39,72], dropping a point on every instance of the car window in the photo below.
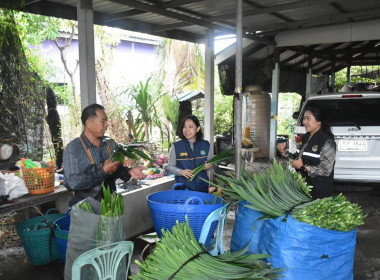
[345,112]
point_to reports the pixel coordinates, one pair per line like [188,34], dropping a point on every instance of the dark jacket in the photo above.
[188,159]
[322,185]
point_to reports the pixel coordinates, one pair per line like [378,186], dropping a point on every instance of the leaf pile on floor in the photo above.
[179,256]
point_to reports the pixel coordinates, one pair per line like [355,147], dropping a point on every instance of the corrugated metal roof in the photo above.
[190,19]
[190,95]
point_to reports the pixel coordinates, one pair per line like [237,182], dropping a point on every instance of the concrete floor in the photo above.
[15,266]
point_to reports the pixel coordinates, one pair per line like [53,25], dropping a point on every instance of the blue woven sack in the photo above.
[247,228]
[308,252]
[167,207]
[37,236]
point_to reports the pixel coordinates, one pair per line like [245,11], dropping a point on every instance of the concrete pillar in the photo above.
[86,52]
[209,89]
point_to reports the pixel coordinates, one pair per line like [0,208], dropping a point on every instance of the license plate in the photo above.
[352,145]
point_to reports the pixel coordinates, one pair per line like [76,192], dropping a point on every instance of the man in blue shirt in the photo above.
[86,159]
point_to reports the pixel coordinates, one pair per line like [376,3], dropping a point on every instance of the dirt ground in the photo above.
[14,264]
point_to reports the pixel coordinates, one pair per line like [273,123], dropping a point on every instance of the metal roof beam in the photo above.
[157,10]
[277,15]
[274,9]
[359,15]
[178,3]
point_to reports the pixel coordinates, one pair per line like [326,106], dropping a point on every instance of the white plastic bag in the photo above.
[14,186]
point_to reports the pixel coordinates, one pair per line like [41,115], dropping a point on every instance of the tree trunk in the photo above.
[54,121]
[146,129]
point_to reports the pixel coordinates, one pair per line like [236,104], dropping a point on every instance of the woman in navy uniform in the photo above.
[188,153]
[317,154]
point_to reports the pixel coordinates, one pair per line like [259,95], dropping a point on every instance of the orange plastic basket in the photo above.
[39,180]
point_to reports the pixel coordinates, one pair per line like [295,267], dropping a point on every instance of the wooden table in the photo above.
[26,201]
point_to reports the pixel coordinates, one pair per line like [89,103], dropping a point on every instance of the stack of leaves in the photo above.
[338,213]
[111,224]
[179,256]
[121,151]
[111,205]
[280,191]
[273,193]
[226,154]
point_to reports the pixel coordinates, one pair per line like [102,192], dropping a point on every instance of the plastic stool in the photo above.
[215,246]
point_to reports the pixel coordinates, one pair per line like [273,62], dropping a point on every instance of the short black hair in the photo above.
[199,135]
[319,115]
[90,112]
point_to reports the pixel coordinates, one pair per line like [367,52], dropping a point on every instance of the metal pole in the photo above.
[238,87]
[333,77]
[349,75]
[274,106]
[309,78]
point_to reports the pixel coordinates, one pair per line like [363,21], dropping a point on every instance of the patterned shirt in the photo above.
[80,174]
[327,159]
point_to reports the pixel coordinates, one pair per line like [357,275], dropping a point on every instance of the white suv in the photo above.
[355,122]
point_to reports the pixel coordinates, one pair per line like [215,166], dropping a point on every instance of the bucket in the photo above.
[169,206]
[61,232]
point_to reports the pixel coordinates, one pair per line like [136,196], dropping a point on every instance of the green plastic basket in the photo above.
[37,236]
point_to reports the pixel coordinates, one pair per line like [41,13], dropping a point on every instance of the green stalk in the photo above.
[226,154]
[179,246]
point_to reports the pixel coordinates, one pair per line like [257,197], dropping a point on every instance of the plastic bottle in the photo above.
[29,164]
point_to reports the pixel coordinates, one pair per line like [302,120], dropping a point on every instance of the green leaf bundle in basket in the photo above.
[112,205]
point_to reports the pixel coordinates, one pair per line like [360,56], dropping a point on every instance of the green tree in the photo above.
[223,113]
[341,76]
[145,101]
[288,104]
[171,111]
[22,92]
[181,66]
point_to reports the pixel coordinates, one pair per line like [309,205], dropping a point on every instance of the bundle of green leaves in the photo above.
[179,256]
[337,213]
[226,154]
[121,151]
[280,191]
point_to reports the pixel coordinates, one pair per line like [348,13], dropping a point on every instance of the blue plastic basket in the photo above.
[167,207]
[61,233]
[38,239]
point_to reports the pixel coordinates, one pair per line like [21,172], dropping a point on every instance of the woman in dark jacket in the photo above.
[189,153]
[317,154]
